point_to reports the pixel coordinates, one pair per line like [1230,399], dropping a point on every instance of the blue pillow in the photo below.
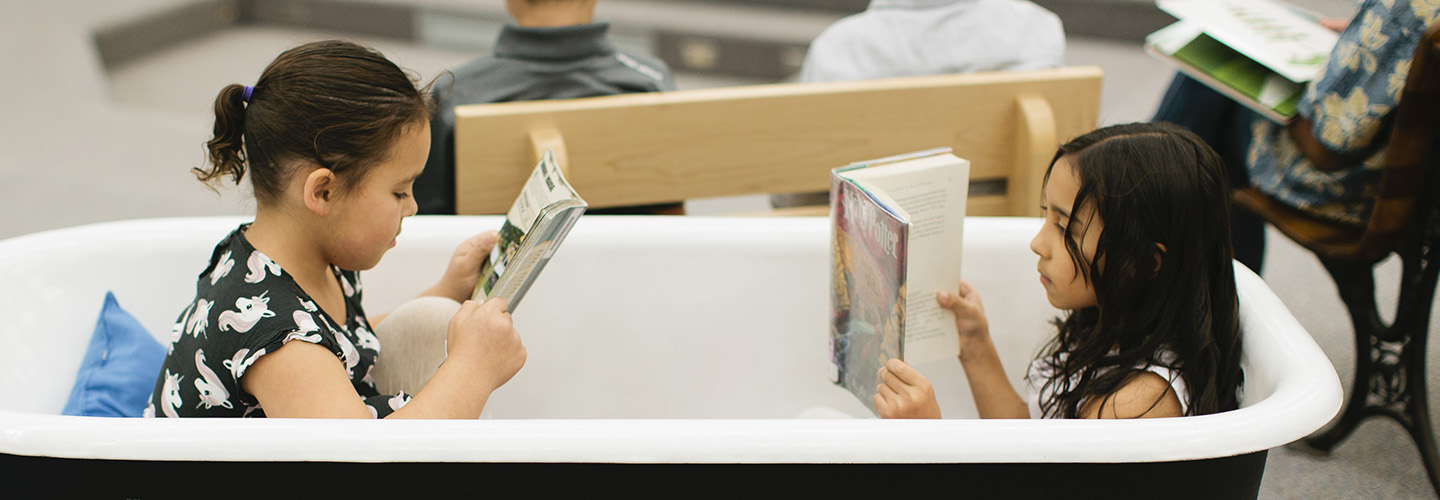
[120,366]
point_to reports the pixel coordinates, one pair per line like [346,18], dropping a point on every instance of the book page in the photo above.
[552,228]
[933,193]
[1271,95]
[1266,31]
[546,186]
[529,234]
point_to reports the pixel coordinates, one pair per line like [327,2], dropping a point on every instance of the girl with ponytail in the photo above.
[331,138]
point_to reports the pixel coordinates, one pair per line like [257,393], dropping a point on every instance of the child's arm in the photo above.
[994,396]
[460,276]
[458,282]
[905,393]
[482,352]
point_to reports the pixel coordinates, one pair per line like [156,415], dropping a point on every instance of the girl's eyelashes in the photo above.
[402,196]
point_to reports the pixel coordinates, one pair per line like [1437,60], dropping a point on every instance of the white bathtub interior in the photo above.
[650,339]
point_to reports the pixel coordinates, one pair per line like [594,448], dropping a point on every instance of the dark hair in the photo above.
[1149,183]
[332,103]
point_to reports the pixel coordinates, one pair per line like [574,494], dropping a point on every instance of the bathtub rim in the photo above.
[1299,404]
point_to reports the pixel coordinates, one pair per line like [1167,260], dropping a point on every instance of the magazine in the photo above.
[1258,52]
[534,227]
[896,239]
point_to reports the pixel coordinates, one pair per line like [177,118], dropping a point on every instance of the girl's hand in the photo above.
[969,313]
[460,276]
[904,393]
[482,338]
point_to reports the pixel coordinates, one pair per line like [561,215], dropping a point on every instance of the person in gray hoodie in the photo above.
[553,50]
[930,37]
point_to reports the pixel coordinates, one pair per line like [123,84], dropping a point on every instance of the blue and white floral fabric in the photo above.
[1357,89]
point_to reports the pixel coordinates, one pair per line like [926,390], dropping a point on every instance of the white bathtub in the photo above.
[664,353]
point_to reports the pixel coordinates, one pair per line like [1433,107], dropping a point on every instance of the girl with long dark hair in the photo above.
[1136,249]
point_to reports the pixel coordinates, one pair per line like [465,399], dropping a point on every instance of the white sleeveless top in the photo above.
[1041,372]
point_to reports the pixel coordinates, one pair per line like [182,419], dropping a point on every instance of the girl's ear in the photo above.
[320,191]
[1159,257]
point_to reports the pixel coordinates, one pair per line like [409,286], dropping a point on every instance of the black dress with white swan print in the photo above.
[246,306]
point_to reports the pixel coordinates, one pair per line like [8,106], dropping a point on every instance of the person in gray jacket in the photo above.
[553,50]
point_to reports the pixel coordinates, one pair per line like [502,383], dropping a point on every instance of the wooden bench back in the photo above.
[640,149]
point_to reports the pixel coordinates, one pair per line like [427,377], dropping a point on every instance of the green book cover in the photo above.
[1240,73]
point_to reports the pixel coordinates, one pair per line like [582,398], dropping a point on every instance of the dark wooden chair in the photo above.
[1389,359]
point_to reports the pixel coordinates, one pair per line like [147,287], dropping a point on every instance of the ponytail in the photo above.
[227,148]
[332,104]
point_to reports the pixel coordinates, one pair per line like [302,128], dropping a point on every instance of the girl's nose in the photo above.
[411,207]
[1035,244]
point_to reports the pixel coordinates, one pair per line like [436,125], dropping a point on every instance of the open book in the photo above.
[896,234]
[1258,52]
[538,221]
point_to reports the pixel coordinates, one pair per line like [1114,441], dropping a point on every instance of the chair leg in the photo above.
[1356,283]
[1389,360]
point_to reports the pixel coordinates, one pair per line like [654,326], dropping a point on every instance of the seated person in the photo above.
[930,37]
[554,50]
[330,138]
[1150,323]
[1326,161]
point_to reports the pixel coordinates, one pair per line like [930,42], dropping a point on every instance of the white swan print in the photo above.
[313,338]
[399,401]
[308,305]
[248,311]
[239,363]
[346,287]
[179,328]
[212,391]
[369,377]
[259,264]
[200,318]
[368,340]
[170,394]
[305,322]
[223,268]
[349,354]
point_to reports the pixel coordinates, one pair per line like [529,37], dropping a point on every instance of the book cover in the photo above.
[534,227]
[1257,52]
[896,225]
[868,288]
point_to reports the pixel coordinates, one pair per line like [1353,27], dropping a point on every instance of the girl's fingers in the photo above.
[885,393]
[888,382]
[951,302]
[483,242]
[966,289]
[902,373]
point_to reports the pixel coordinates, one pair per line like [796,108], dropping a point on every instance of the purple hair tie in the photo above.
[246,96]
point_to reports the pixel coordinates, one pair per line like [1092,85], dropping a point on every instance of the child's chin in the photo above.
[1056,302]
[361,264]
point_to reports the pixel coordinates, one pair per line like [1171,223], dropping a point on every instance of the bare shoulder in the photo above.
[1146,395]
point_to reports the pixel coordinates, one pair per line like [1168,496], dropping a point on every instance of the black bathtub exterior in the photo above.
[44,477]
